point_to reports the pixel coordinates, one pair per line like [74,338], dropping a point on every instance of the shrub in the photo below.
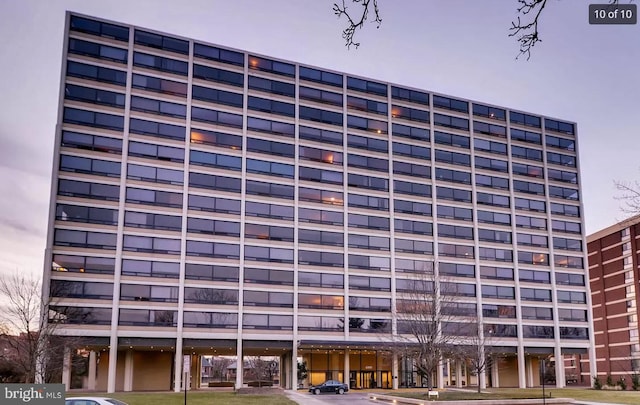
[622,384]
[596,383]
[635,381]
[610,381]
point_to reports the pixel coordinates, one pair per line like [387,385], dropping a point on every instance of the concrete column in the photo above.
[177,367]
[239,364]
[495,373]
[92,370]
[128,371]
[347,368]
[560,377]
[482,379]
[294,366]
[458,374]
[522,382]
[441,375]
[394,372]
[66,368]
[529,368]
[113,363]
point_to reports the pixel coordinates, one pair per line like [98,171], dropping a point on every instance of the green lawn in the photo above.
[613,397]
[195,398]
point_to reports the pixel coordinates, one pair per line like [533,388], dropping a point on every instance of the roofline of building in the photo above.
[613,228]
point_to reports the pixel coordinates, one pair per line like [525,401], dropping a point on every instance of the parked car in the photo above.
[92,401]
[329,386]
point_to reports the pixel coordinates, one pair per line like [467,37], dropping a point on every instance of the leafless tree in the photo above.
[629,196]
[476,349]
[29,339]
[357,18]
[524,29]
[429,320]
[262,369]
[219,367]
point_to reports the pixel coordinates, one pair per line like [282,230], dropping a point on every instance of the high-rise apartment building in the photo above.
[614,278]
[207,200]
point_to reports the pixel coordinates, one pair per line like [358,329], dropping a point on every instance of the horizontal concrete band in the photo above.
[412,401]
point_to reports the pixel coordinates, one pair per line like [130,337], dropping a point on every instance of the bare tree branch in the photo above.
[629,196]
[356,20]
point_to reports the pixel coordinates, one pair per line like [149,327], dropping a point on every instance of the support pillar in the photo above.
[458,374]
[93,362]
[495,373]
[394,371]
[294,367]
[239,364]
[560,374]
[440,375]
[529,368]
[347,368]
[522,382]
[113,362]
[128,371]
[66,368]
[177,366]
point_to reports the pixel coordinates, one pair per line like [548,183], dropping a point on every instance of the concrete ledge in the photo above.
[380,398]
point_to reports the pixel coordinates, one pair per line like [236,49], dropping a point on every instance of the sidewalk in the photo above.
[303,398]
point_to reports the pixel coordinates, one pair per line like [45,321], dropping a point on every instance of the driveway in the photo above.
[350,398]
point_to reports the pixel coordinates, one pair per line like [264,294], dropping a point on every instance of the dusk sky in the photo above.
[579,72]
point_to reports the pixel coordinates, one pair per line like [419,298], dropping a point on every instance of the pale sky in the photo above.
[580,72]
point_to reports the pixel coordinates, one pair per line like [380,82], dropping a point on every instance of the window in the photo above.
[369,182]
[146,268]
[483,145]
[492,182]
[218,75]
[320,196]
[568,261]
[314,258]
[210,272]
[406,131]
[451,122]
[564,226]
[368,222]
[271,106]
[496,273]
[558,126]
[321,237]
[499,292]
[499,255]
[567,244]
[256,209]
[160,130]
[574,315]
[147,244]
[530,205]
[463,214]
[319,216]
[413,266]
[270,168]
[274,86]
[98,28]
[272,127]
[152,197]
[213,227]
[97,73]
[210,249]
[407,113]
[160,63]
[367,86]
[574,333]
[218,54]
[214,204]
[318,301]
[453,176]
[566,210]
[81,289]
[269,189]
[320,135]
[406,187]
[98,51]
[492,199]
[496,165]
[450,104]
[318,155]
[84,239]
[363,201]
[152,221]
[561,159]
[490,235]
[563,192]
[208,181]
[415,227]
[270,147]
[80,315]
[489,112]
[216,117]
[539,259]
[154,174]
[83,264]
[266,254]
[161,42]
[459,141]
[368,242]
[323,280]
[453,158]
[369,163]
[272,66]
[561,175]
[153,293]
[268,276]
[268,299]
[144,317]
[530,222]
[450,250]
[93,119]
[527,187]
[498,311]
[535,294]
[527,170]
[210,296]
[524,119]
[369,283]
[363,104]
[457,270]
[412,207]
[91,142]
[453,194]
[319,115]
[413,246]
[537,313]
[364,142]
[414,96]
[489,129]
[456,232]
[575,297]
[560,143]
[320,76]
[83,189]
[163,86]
[494,217]
[526,136]
[364,124]
[210,320]
[89,166]
[158,152]
[532,240]
[216,96]
[534,276]
[526,153]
